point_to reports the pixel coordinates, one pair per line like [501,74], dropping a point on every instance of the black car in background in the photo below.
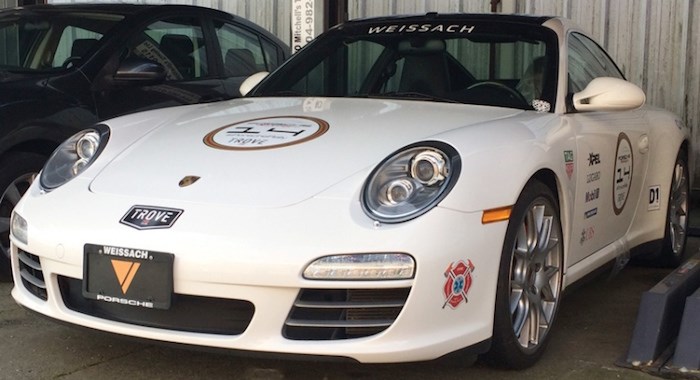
[64,67]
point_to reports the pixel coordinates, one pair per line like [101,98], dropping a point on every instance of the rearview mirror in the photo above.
[609,94]
[252,81]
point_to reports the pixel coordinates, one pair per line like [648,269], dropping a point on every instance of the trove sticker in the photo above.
[266,133]
[459,280]
[622,180]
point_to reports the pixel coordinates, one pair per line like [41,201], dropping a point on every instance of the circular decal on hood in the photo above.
[622,181]
[266,133]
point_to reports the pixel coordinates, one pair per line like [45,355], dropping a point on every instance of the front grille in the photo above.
[31,274]
[332,314]
[187,313]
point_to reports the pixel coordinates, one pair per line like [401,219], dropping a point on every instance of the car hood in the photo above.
[274,152]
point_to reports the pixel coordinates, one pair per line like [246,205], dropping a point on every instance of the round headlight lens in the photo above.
[87,145]
[399,191]
[429,167]
[73,156]
[410,182]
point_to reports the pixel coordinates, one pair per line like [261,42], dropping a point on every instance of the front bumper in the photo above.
[256,257]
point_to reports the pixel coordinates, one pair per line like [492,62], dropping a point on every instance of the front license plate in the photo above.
[128,276]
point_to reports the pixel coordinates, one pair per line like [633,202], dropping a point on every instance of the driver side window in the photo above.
[588,61]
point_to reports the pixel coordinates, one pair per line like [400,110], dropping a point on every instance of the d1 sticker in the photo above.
[622,180]
[267,133]
[459,280]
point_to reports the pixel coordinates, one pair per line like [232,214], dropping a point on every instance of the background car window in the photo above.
[46,43]
[588,61]
[73,45]
[242,51]
[177,44]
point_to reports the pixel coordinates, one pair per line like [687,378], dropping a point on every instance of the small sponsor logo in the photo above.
[654,198]
[149,217]
[591,213]
[592,177]
[569,162]
[593,159]
[587,234]
[568,156]
[592,195]
[459,280]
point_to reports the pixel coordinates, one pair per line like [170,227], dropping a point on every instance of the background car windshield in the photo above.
[490,68]
[50,41]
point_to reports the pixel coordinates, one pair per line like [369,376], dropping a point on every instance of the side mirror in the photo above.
[609,94]
[140,70]
[252,81]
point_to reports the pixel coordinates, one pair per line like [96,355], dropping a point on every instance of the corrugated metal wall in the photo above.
[656,42]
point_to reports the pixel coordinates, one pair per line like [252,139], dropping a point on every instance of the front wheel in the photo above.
[530,280]
[673,250]
[18,172]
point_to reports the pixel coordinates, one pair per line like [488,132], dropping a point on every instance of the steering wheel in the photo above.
[70,61]
[513,94]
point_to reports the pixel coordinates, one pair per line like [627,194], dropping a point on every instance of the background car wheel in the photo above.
[530,279]
[18,172]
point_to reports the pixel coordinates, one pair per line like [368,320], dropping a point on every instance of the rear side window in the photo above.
[241,50]
[177,44]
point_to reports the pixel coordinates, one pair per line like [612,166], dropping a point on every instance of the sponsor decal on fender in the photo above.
[622,176]
[459,280]
[587,234]
[569,161]
[593,159]
[591,213]
[266,133]
[150,217]
[654,198]
[592,194]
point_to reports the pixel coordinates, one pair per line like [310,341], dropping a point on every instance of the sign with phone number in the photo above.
[303,18]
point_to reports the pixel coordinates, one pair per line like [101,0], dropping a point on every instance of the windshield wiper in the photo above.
[412,95]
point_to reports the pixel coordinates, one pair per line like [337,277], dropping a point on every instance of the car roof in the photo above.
[113,8]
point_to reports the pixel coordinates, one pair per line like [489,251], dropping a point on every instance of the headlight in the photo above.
[410,182]
[18,228]
[73,157]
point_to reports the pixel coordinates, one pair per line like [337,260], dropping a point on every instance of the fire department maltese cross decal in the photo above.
[459,280]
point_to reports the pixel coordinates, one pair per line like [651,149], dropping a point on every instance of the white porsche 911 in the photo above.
[400,189]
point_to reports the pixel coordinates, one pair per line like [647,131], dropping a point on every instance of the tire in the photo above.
[530,278]
[17,171]
[673,251]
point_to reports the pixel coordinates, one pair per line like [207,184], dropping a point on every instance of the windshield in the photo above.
[500,64]
[36,42]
